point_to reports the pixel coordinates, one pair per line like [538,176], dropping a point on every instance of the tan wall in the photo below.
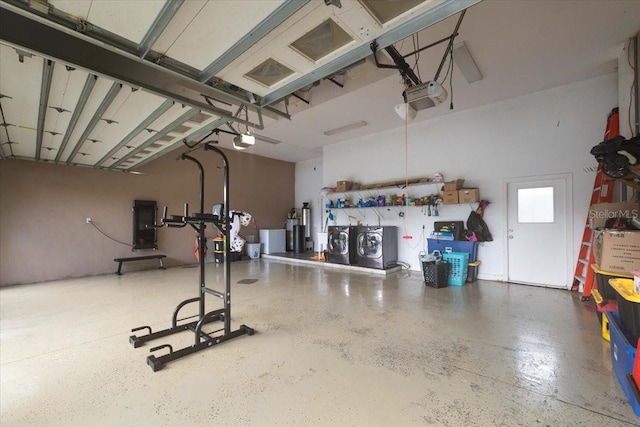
[43,207]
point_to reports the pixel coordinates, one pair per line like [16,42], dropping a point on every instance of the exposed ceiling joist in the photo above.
[45,87]
[81,26]
[82,101]
[193,136]
[141,127]
[106,102]
[164,131]
[159,24]
[38,35]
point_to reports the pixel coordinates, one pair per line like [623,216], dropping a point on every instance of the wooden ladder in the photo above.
[602,193]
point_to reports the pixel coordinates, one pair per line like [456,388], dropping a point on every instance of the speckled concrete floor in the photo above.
[331,348]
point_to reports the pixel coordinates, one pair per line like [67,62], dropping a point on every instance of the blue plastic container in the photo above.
[623,355]
[454,246]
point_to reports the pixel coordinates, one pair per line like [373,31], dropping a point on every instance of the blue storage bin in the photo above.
[454,246]
[623,355]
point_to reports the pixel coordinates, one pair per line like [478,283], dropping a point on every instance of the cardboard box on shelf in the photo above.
[450,197]
[469,195]
[453,185]
[619,251]
[601,212]
[344,185]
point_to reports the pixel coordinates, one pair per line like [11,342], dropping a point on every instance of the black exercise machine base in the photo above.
[158,363]
[138,258]
[210,340]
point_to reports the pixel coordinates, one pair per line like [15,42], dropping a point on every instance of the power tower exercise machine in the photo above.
[198,221]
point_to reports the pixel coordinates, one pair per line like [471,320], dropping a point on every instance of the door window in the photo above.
[535,205]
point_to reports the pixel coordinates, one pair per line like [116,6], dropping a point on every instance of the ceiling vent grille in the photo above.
[181,129]
[167,138]
[386,11]
[200,118]
[269,72]
[323,40]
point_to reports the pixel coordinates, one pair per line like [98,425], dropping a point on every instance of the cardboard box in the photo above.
[453,185]
[343,185]
[600,213]
[450,197]
[620,251]
[469,195]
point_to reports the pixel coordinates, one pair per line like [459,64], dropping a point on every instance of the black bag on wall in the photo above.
[476,224]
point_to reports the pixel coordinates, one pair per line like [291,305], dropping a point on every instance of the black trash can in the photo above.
[298,239]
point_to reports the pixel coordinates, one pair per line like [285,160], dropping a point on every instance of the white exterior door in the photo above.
[539,231]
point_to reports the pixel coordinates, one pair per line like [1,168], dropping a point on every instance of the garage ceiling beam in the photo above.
[163,132]
[45,88]
[159,24]
[141,127]
[104,105]
[89,83]
[28,31]
[277,17]
[191,137]
[418,23]
[85,28]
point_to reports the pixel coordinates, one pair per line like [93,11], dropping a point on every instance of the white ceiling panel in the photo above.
[129,19]
[174,112]
[134,108]
[178,24]
[135,142]
[20,137]
[21,81]
[66,87]
[216,28]
[79,9]
[99,140]
[143,137]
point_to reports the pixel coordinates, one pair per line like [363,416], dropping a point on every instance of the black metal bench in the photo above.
[138,258]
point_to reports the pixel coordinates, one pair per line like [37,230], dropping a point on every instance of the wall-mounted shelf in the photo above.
[389,185]
[367,192]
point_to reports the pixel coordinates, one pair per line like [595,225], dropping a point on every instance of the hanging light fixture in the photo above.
[243,141]
[406,112]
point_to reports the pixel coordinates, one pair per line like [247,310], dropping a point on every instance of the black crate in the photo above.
[472,273]
[435,274]
[630,316]
[605,289]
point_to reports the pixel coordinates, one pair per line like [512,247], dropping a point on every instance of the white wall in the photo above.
[549,132]
[625,85]
[308,189]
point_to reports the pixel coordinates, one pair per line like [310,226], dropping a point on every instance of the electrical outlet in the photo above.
[88,220]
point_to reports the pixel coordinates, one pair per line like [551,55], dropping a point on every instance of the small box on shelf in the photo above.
[450,197]
[453,185]
[342,186]
[469,195]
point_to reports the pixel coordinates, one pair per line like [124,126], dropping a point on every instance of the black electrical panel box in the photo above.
[144,220]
